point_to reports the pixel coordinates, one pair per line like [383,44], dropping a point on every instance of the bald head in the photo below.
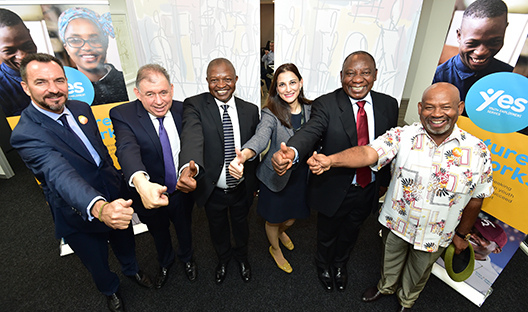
[220,61]
[444,89]
[439,110]
[221,78]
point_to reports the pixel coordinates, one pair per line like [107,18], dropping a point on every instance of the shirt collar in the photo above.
[462,70]
[8,70]
[231,102]
[457,134]
[152,117]
[367,98]
[52,115]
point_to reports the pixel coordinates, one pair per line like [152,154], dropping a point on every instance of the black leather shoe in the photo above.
[161,278]
[115,302]
[190,270]
[220,272]
[326,279]
[245,271]
[340,278]
[371,294]
[142,279]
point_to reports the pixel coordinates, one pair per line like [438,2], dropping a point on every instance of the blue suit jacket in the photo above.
[138,145]
[70,177]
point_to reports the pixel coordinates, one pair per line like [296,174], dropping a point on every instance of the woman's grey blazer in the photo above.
[268,129]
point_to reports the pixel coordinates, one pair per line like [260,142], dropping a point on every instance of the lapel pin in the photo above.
[83,120]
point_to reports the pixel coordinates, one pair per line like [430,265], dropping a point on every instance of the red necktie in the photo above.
[363,175]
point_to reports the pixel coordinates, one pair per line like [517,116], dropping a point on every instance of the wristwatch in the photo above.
[464,237]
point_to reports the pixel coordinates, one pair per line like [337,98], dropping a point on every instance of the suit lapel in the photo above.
[91,132]
[215,115]
[177,116]
[348,119]
[380,116]
[148,126]
[242,121]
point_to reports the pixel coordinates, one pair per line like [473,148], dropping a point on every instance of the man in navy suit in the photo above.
[203,135]
[342,202]
[147,169]
[59,141]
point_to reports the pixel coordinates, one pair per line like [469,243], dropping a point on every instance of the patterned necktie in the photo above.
[168,161]
[66,125]
[363,175]
[229,146]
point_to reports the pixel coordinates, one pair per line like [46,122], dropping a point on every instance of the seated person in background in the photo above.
[282,199]
[15,43]
[85,37]
[268,59]
[480,37]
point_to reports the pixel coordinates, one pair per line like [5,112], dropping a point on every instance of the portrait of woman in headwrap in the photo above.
[84,34]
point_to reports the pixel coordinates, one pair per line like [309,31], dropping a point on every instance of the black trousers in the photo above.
[337,235]
[92,249]
[222,209]
[179,211]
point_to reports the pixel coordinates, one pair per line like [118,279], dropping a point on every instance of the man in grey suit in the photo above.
[343,202]
[204,130]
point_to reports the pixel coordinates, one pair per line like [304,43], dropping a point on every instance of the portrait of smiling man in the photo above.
[480,38]
[15,43]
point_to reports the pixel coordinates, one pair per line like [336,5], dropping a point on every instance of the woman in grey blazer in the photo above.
[282,199]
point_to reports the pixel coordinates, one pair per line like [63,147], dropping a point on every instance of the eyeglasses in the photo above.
[76,42]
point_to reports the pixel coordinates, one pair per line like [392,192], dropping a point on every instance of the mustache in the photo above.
[56,94]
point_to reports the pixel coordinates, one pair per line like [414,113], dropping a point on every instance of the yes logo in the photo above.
[80,88]
[503,101]
[497,103]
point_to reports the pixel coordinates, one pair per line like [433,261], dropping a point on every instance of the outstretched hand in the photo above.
[186,182]
[282,160]
[151,193]
[236,167]
[319,163]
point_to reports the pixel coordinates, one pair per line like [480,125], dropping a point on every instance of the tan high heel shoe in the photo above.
[286,268]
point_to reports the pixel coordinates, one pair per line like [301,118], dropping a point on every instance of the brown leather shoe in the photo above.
[371,294]
[404,309]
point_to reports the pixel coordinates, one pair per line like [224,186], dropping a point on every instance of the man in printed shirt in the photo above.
[440,176]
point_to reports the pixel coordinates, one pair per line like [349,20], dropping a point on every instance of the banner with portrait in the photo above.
[486,58]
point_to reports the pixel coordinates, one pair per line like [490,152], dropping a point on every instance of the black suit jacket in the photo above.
[69,176]
[333,122]
[203,141]
[138,145]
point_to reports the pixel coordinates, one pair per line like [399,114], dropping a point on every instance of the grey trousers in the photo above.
[404,270]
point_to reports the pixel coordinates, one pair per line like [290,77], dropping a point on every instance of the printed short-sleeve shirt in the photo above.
[431,185]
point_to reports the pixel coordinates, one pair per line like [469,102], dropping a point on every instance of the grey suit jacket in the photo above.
[271,129]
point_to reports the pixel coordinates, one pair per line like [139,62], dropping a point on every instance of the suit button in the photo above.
[214,183]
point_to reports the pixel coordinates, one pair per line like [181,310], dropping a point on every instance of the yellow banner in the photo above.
[102,116]
[509,155]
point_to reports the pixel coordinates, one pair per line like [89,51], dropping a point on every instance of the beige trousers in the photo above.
[404,270]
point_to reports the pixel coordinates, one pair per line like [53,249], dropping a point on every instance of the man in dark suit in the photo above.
[139,128]
[59,141]
[343,202]
[207,119]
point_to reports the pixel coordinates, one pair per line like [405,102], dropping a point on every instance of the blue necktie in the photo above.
[66,125]
[168,161]
[229,146]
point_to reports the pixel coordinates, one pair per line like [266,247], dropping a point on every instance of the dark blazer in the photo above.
[70,178]
[138,147]
[203,141]
[333,121]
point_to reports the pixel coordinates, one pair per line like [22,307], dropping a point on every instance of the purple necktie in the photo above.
[168,161]
[363,175]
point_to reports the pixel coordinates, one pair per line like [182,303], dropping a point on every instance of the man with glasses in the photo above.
[147,134]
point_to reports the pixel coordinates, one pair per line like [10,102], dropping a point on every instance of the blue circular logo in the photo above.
[80,88]
[498,103]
